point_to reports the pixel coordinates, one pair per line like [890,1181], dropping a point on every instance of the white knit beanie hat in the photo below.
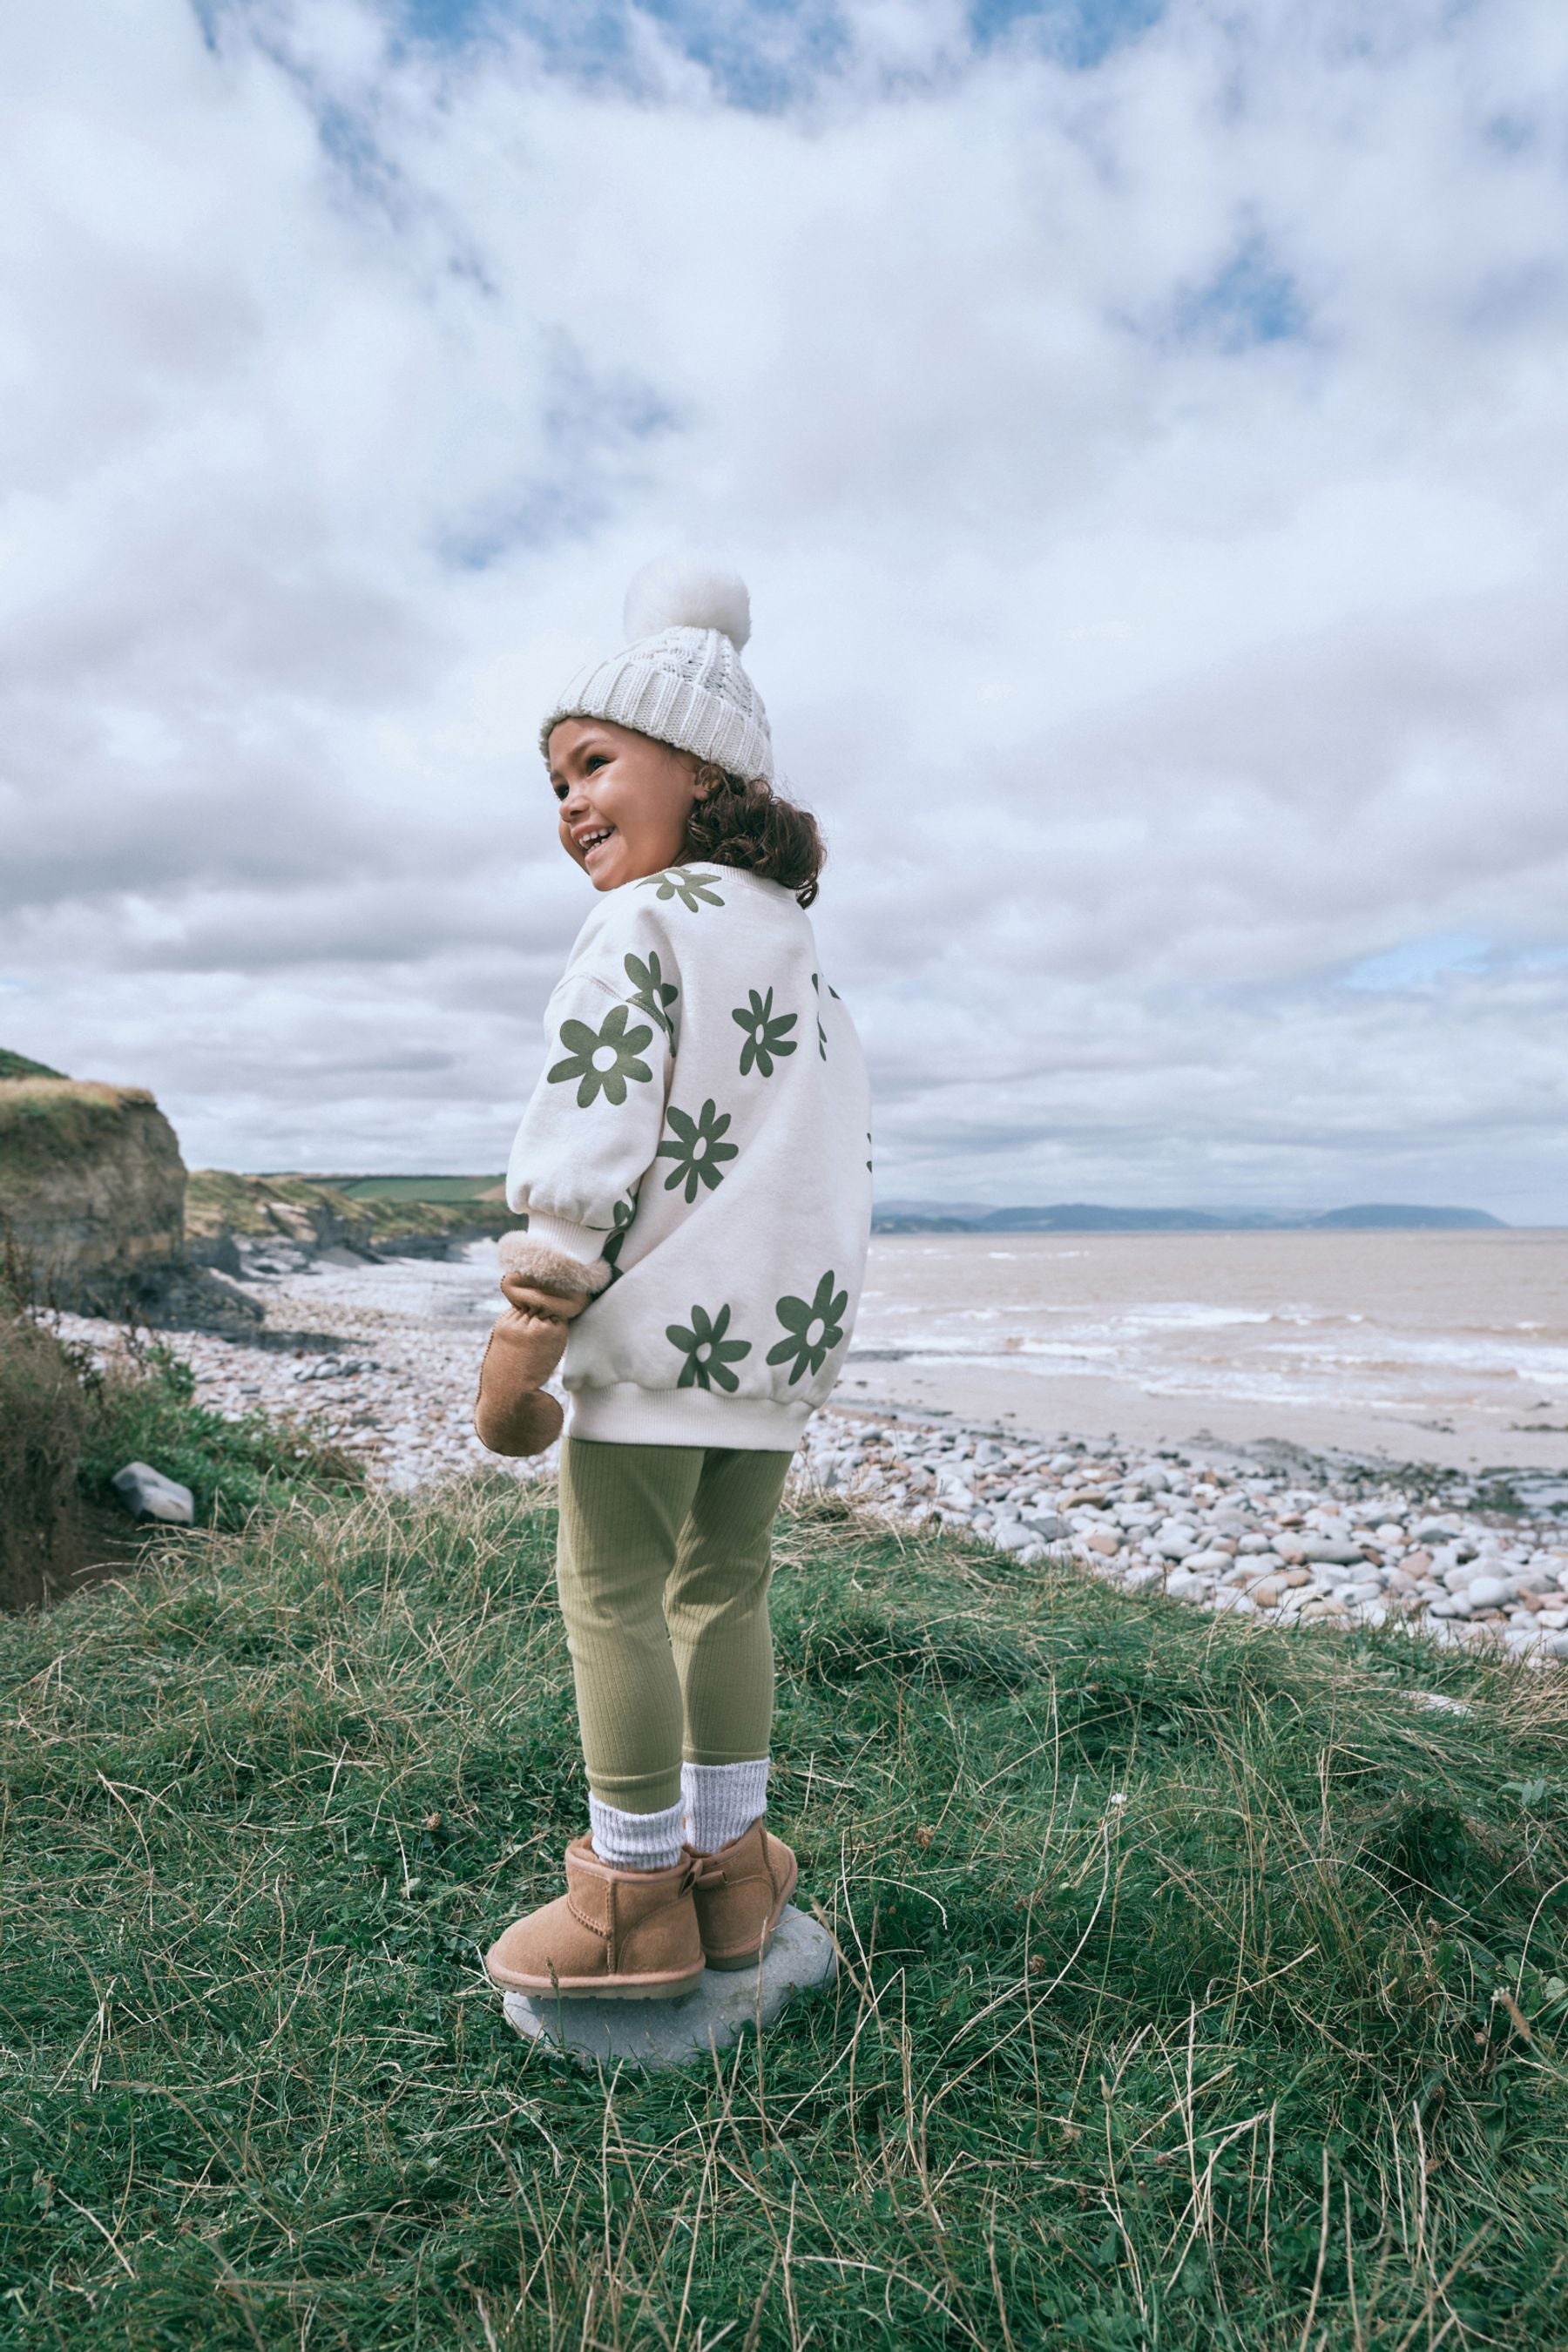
[680,678]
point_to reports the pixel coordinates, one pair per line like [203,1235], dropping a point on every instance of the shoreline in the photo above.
[383,1359]
[1103,1406]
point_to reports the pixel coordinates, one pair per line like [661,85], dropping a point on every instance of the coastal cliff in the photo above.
[93,1191]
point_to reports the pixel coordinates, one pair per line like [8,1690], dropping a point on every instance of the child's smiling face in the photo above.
[623,799]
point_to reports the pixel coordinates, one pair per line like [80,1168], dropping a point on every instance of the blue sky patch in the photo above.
[1418,963]
[764,54]
[1251,300]
[1079,32]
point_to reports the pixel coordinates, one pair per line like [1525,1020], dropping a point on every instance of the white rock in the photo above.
[148,1494]
[654,2034]
[1487,1592]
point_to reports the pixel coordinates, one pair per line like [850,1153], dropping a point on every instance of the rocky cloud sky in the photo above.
[1146,431]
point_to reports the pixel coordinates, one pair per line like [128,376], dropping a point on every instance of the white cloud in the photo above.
[1151,479]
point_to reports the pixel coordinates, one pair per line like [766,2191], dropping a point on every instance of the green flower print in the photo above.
[696,1150]
[821,1032]
[653,993]
[602,1060]
[709,1355]
[623,1213]
[692,889]
[813,1329]
[767,1034]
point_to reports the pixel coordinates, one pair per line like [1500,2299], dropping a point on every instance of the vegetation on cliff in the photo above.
[42,1421]
[46,1123]
[1203,1985]
[18,1065]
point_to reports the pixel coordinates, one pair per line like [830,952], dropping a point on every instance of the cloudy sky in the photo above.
[1144,429]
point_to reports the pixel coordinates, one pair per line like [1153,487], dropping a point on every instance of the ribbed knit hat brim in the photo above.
[683,683]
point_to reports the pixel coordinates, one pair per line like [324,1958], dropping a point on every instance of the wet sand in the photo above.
[1419,1347]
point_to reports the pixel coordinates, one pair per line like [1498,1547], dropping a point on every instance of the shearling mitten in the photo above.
[544,1289]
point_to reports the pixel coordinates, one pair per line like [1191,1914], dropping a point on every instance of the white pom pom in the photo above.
[678,592]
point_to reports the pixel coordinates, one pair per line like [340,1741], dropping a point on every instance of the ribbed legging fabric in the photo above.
[663,1564]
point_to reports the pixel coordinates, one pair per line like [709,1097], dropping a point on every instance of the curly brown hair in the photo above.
[741,821]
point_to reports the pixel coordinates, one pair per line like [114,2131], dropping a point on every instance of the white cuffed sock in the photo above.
[637,1840]
[721,1801]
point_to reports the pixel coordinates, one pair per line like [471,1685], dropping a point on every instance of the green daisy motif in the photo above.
[709,1355]
[813,1329]
[602,1060]
[696,1148]
[623,1213]
[653,993]
[767,1034]
[821,1032]
[693,890]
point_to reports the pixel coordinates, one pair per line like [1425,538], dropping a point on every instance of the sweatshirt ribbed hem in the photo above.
[625,1414]
[576,1241]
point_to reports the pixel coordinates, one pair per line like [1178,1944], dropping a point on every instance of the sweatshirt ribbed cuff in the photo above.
[575,1240]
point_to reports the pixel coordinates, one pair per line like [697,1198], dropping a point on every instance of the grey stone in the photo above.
[1487,1592]
[148,1494]
[654,2034]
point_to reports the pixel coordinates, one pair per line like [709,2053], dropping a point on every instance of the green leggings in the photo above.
[663,1566]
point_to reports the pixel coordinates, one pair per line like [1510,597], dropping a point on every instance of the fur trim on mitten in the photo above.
[553,1271]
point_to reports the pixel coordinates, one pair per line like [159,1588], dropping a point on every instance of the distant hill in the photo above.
[17,1066]
[1091,1217]
[1375,1215]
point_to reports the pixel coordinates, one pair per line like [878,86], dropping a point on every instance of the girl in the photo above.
[694,1167]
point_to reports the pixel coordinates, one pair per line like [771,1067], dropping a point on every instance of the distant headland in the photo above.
[1091,1217]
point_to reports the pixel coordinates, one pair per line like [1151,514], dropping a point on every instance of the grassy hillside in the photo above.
[1203,1985]
[316,1213]
[422,1188]
[17,1066]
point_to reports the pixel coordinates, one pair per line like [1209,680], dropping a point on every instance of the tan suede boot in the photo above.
[617,1934]
[740,1893]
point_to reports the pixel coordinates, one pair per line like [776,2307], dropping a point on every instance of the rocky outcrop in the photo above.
[271,1223]
[93,1191]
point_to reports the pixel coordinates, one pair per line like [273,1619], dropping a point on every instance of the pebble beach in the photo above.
[384,1358]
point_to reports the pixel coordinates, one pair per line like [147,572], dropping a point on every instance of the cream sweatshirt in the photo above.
[701,1139]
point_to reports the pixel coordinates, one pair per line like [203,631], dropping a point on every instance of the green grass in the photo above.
[18,1065]
[144,1410]
[422,1188]
[1200,1987]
